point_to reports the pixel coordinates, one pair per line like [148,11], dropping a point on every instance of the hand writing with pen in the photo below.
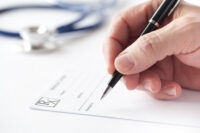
[162,62]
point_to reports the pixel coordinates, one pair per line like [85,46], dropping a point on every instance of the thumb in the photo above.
[152,47]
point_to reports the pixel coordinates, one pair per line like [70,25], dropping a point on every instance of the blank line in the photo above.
[91,94]
[89,107]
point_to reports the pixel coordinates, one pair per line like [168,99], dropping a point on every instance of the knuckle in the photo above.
[120,19]
[117,17]
[188,21]
[191,25]
[148,45]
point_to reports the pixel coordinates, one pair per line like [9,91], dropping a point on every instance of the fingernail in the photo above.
[170,90]
[125,61]
[147,86]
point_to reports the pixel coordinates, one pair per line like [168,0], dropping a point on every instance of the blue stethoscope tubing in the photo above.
[83,9]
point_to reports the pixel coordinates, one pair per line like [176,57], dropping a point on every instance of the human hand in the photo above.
[161,62]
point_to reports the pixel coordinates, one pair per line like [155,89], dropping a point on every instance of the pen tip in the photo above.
[102,96]
[105,92]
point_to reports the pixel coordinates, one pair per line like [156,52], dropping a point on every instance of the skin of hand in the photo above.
[161,62]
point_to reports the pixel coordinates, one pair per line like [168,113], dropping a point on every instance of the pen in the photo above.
[164,10]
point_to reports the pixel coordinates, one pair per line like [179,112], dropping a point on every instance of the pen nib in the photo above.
[105,92]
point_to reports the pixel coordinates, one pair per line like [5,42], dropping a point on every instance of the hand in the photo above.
[161,62]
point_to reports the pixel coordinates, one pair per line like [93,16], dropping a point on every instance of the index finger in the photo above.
[126,28]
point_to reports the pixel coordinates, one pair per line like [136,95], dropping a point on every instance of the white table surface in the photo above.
[22,77]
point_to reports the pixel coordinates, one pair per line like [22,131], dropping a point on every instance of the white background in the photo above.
[22,77]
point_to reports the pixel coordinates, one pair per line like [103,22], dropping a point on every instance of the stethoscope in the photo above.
[39,38]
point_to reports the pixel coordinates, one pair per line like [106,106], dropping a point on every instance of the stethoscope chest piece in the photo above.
[40,39]
[37,39]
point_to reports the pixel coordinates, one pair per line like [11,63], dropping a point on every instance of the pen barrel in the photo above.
[115,78]
[150,27]
[164,10]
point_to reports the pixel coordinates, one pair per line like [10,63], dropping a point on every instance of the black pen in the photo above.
[164,10]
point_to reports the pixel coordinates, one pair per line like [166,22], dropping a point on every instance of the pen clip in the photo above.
[174,7]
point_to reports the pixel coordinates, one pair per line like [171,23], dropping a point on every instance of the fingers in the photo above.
[170,90]
[126,27]
[151,83]
[131,81]
[155,46]
[147,80]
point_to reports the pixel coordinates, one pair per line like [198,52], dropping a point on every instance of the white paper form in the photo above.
[79,93]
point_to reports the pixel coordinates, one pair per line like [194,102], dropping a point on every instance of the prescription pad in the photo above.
[77,92]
